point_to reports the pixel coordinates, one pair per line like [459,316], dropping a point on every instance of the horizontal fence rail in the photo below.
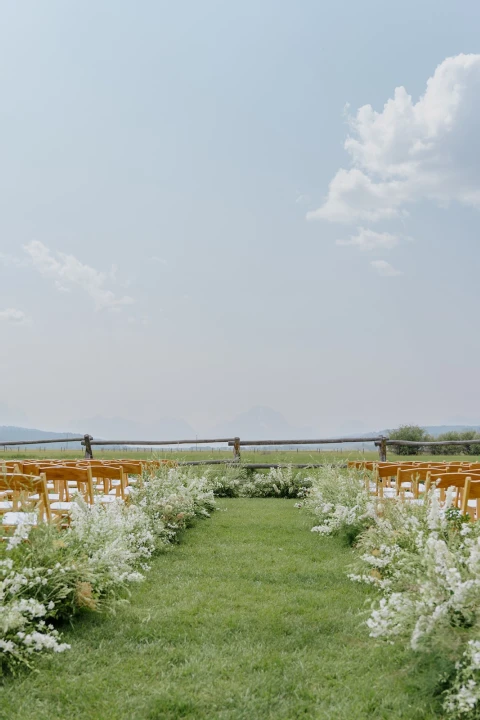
[160,442]
[41,442]
[381,442]
[89,442]
[324,441]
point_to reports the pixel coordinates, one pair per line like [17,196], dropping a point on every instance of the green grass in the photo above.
[261,455]
[250,618]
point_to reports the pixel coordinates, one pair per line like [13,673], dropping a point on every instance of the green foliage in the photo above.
[408,432]
[286,482]
[450,449]
[338,500]
[417,434]
[238,481]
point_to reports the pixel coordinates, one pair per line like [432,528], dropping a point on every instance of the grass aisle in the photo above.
[250,618]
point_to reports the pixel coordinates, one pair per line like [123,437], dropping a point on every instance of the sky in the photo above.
[211,206]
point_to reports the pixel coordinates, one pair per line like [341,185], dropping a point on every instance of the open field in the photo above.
[251,617]
[260,455]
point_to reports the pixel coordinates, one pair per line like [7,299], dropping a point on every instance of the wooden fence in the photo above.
[234,442]
[381,442]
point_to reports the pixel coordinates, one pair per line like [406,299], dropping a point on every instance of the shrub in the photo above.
[408,432]
[425,560]
[226,480]
[339,501]
[278,482]
[237,481]
[463,697]
[171,498]
[457,449]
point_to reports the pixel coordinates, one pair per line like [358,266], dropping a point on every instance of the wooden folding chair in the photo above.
[28,499]
[112,479]
[384,476]
[11,466]
[474,467]
[410,478]
[66,479]
[471,498]
[130,468]
[459,481]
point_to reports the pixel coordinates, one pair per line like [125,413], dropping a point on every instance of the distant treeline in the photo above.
[417,433]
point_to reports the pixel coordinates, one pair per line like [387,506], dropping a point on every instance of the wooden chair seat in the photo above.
[61,507]
[14,518]
[106,498]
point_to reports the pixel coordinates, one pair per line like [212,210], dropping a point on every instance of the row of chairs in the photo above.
[45,488]
[412,480]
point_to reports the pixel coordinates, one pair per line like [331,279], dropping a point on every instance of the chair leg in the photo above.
[466,494]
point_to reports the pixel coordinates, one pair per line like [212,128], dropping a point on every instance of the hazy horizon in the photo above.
[255,424]
[210,207]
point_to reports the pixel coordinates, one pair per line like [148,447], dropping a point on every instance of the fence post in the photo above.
[382,449]
[236,449]
[88,448]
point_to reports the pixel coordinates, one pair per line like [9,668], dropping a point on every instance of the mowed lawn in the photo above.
[250,617]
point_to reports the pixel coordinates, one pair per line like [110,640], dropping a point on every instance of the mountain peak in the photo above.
[262,423]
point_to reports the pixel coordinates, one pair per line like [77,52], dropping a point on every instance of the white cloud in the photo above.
[354,197]
[384,268]
[66,271]
[409,151]
[371,240]
[13,316]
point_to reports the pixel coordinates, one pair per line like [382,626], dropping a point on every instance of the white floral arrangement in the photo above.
[235,480]
[338,500]
[424,558]
[48,574]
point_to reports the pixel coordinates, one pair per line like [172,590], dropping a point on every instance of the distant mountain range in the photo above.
[117,428]
[11,433]
[436,430]
[262,423]
[258,423]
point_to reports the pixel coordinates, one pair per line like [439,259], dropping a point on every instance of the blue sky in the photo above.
[158,164]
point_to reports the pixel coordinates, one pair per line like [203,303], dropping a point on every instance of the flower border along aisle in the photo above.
[424,558]
[49,574]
